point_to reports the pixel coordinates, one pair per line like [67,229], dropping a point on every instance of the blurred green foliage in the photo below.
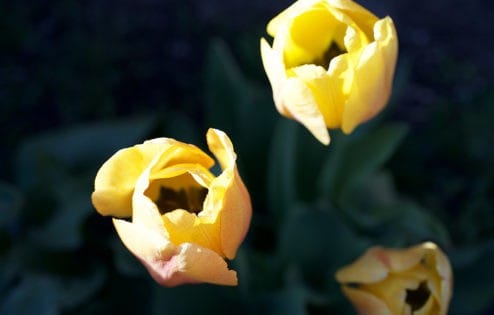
[393,182]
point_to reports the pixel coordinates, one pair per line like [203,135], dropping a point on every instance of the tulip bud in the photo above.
[416,280]
[331,64]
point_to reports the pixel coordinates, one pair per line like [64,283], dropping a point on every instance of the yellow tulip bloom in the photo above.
[172,213]
[331,64]
[417,280]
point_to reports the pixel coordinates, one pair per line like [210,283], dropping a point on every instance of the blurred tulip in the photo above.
[331,64]
[172,213]
[417,280]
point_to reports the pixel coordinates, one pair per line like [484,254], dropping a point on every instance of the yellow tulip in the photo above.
[417,280]
[331,64]
[172,213]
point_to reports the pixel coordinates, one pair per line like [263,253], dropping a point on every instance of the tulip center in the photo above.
[418,297]
[332,51]
[189,198]
[180,192]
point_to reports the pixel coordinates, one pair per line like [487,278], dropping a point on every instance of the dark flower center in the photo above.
[190,199]
[332,51]
[418,297]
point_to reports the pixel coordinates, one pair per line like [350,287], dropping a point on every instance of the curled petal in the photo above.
[171,265]
[228,196]
[370,267]
[115,180]
[366,303]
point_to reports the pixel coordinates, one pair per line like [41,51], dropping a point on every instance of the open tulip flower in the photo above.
[417,280]
[172,213]
[331,64]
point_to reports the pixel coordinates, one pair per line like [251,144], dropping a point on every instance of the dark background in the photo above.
[81,79]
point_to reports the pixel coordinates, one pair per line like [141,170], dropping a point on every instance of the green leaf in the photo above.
[392,220]
[226,90]
[75,291]
[463,257]
[241,265]
[9,268]
[126,263]
[45,294]
[473,290]
[281,167]
[241,108]
[63,228]
[235,105]
[318,241]
[76,148]
[357,157]
[309,156]
[196,299]
[289,301]
[406,223]
[35,294]
[179,126]
[11,201]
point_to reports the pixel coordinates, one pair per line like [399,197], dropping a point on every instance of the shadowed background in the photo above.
[82,79]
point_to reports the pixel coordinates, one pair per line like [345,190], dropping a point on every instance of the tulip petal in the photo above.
[366,96]
[115,180]
[145,212]
[198,172]
[180,153]
[444,275]
[393,291]
[377,61]
[171,265]
[204,265]
[300,102]
[327,89]
[228,196]
[275,70]
[366,303]
[288,14]
[356,12]
[236,215]
[145,243]
[222,148]
[185,227]
[385,35]
[368,268]
[309,35]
